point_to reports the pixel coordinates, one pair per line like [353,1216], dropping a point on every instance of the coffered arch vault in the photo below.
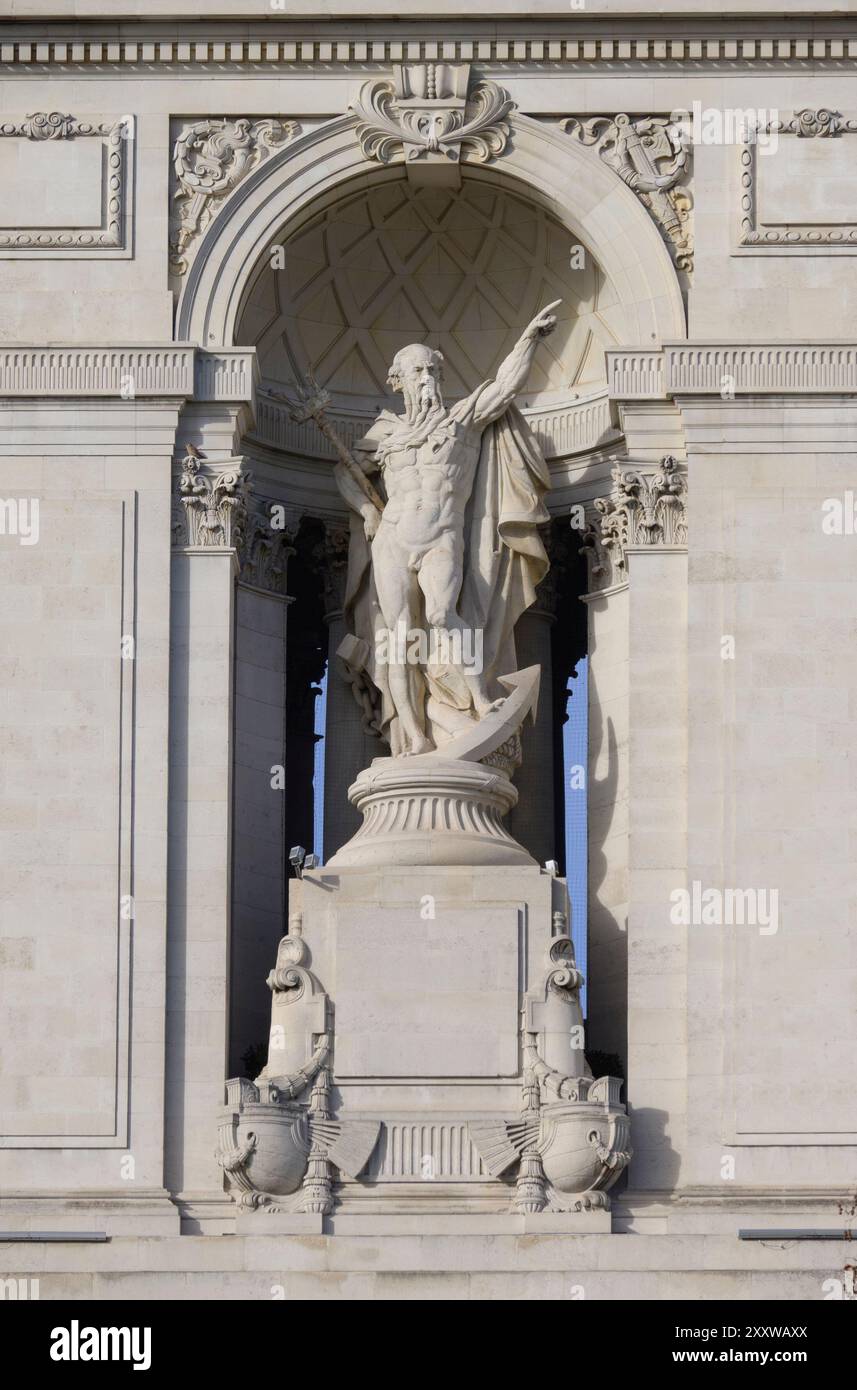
[461,269]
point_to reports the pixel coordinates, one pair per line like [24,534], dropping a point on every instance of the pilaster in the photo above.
[638,801]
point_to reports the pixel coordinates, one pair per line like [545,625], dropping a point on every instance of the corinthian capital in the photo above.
[211,502]
[646,507]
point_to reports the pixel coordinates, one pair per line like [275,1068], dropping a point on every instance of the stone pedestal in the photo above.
[426,1055]
[431,810]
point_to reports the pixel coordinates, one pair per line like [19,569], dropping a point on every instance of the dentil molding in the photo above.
[785,44]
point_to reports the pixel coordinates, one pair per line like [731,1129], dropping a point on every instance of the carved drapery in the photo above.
[651,154]
[647,507]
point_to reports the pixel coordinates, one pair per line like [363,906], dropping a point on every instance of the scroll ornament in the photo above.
[210,159]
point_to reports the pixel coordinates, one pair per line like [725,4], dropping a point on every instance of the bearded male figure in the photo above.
[451,549]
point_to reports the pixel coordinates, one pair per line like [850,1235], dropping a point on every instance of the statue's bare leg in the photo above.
[441,574]
[395,585]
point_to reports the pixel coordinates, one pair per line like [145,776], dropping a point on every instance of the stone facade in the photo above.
[197,212]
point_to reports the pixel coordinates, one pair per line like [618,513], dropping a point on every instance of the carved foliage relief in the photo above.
[210,158]
[651,154]
[646,507]
[426,111]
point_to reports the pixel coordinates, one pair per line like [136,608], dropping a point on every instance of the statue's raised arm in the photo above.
[514,370]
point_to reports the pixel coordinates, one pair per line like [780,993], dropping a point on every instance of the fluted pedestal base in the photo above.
[431,810]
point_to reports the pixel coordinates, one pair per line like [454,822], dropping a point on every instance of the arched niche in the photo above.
[326,164]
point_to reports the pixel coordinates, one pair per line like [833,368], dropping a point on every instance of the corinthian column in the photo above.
[209,526]
[532,821]
[349,741]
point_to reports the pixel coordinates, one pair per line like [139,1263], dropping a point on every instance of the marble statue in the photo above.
[445,552]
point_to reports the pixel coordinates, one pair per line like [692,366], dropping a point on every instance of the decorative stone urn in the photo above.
[572,1139]
[271,1146]
[583,1143]
[264,1145]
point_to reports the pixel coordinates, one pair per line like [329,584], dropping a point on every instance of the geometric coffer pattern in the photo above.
[462,270]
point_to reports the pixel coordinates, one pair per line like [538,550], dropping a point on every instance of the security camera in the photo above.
[312,861]
[297,855]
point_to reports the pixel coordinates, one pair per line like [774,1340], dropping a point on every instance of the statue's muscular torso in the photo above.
[428,485]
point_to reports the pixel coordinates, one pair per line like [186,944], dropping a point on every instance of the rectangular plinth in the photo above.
[428,996]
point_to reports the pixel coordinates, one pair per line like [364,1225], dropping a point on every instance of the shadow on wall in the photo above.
[656,1165]
[607,1020]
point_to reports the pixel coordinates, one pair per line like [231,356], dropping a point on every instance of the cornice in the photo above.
[727,369]
[129,372]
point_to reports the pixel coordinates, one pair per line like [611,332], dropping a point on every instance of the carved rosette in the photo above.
[210,158]
[647,507]
[427,115]
[651,154]
[212,503]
